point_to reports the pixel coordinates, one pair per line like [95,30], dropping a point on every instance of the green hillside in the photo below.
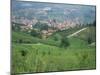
[59,34]
[44,58]
[32,54]
[21,37]
[88,34]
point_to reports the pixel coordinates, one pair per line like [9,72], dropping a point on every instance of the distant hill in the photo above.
[60,12]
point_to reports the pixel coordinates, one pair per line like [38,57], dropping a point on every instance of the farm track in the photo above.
[76,32]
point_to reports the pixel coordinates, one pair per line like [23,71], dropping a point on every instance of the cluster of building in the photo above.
[28,24]
[24,22]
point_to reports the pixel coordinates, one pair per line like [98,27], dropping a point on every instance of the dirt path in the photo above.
[76,32]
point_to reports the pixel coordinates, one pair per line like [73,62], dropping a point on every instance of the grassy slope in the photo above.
[68,31]
[41,57]
[60,34]
[89,32]
[44,55]
[26,38]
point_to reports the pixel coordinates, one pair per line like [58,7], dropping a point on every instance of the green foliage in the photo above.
[44,58]
[68,31]
[32,54]
[35,33]
[88,35]
[92,24]
[57,37]
[64,42]
[20,37]
[23,53]
[16,27]
[41,26]
[89,40]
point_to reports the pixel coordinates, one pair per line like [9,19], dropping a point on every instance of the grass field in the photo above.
[34,54]
[89,32]
[41,57]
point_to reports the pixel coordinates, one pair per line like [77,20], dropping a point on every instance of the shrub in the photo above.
[57,37]
[23,53]
[64,42]
[35,33]
[89,40]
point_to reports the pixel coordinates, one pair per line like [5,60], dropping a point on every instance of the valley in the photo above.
[52,37]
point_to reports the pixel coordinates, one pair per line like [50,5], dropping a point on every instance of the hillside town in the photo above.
[28,24]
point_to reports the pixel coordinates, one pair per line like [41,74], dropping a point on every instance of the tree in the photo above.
[89,40]
[57,37]
[23,53]
[64,42]
[35,33]
[41,26]
[20,41]
[16,26]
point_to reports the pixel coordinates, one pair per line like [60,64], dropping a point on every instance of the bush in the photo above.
[41,26]
[23,53]
[89,40]
[64,42]
[57,37]
[35,33]
[20,41]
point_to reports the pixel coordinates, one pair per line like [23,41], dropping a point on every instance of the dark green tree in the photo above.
[35,33]
[57,37]
[64,42]
[23,53]
[20,41]
[41,26]
[16,26]
[89,40]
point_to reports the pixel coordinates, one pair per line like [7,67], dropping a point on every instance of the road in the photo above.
[76,32]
